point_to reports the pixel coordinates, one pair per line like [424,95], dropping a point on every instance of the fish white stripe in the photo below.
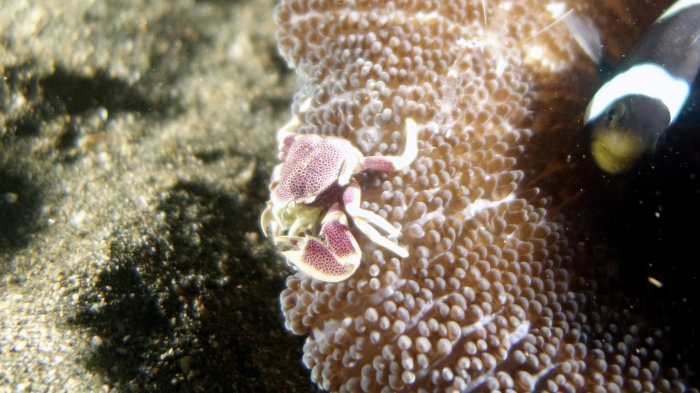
[676,7]
[647,79]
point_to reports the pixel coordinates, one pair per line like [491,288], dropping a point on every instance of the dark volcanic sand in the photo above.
[136,143]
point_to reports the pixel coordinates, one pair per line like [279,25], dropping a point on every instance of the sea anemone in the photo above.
[494,295]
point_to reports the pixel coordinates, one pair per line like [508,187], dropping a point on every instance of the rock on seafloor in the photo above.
[136,143]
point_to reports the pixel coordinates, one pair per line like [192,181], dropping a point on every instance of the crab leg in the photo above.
[364,219]
[392,163]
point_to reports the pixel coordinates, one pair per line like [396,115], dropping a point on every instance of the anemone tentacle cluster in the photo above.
[488,298]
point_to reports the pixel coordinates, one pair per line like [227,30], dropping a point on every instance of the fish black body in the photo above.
[629,113]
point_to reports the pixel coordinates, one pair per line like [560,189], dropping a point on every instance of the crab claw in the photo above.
[333,261]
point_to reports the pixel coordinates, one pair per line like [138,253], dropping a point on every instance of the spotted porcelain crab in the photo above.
[316,176]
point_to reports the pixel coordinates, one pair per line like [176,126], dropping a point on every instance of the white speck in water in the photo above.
[655,282]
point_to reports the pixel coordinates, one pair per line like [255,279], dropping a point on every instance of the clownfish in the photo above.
[628,113]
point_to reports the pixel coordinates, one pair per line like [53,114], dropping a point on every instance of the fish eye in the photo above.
[610,114]
[614,113]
